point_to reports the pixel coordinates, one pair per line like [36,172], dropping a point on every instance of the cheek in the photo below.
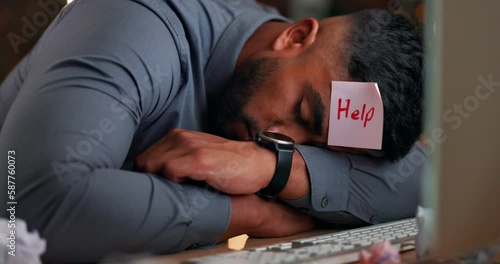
[261,102]
[273,103]
[258,109]
[323,139]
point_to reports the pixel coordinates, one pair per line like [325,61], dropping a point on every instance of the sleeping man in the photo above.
[134,125]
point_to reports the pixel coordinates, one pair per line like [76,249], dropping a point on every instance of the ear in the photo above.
[298,36]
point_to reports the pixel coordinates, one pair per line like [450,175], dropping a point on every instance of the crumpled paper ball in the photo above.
[28,246]
[380,253]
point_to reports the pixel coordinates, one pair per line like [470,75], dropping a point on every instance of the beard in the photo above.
[246,81]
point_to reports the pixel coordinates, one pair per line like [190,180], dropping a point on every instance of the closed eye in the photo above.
[298,116]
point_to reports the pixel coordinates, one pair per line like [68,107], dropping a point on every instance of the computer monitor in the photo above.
[463,124]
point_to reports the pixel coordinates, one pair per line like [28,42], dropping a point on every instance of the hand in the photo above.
[234,167]
[258,217]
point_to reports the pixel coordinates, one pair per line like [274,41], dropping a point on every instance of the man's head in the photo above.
[284,85]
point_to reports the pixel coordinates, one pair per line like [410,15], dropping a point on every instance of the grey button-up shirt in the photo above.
[109,78]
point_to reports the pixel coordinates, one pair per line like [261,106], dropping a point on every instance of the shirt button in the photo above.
[324,202]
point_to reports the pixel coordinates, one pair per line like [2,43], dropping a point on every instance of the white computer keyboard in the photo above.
[339,247]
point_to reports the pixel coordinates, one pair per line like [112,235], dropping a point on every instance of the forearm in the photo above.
[245,217]
[259,217]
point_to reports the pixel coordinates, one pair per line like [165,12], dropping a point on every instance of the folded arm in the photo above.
[70,145]
[72,124]
[335,187]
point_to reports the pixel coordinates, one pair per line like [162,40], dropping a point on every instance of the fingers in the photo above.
[200,164]
[214,167]
[161,146]
[179,165]
[234,167]
[176,143]
[197,135]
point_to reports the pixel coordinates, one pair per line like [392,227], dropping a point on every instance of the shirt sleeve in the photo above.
[347,188]
[71,126]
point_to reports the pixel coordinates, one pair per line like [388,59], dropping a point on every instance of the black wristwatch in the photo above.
[283,146]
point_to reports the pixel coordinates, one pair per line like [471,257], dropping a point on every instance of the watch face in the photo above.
[273,136]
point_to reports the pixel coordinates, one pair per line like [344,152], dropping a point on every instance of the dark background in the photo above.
[18,14]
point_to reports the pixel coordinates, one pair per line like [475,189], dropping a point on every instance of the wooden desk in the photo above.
[177,258]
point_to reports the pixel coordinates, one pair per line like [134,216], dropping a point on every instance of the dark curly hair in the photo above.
[386,48]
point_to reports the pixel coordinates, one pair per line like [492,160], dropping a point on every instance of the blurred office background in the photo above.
[22,22]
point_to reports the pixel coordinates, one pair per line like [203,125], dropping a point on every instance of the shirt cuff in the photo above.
[209,211]
[374,190]
[340,219]
[329,177]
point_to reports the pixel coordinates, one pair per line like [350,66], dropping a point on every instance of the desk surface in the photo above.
[250,243]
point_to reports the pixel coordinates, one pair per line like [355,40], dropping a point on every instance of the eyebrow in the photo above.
[318,109]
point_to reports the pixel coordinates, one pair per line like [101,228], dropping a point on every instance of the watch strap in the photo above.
[281,174]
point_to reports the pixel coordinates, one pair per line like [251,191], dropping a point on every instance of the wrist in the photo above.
[246,216]
[282,147]
[267,163]
[298,184]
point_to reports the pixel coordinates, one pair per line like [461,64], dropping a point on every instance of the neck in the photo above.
[261,40]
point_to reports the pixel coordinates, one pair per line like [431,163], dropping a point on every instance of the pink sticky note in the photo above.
[356,115]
